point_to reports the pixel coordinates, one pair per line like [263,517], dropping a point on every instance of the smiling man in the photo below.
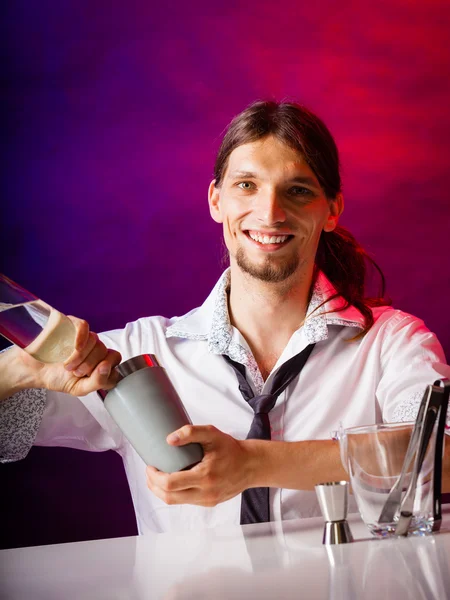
[274,212]
[285,349]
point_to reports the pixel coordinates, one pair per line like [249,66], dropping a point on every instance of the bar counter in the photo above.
[268,560]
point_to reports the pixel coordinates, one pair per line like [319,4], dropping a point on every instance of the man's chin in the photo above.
[270,271]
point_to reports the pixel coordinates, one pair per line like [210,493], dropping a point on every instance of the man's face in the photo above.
[273,210]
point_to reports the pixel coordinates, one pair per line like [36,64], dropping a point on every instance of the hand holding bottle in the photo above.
[90,367]
[51,350]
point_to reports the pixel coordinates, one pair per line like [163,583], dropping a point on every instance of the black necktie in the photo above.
[255,501]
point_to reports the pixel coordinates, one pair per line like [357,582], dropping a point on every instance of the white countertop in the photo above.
[268,560]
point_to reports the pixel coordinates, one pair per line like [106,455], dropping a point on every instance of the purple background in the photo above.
[112,113]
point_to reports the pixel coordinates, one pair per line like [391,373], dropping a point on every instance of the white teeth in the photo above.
[265,239]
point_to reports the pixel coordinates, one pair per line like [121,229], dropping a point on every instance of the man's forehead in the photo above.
[267,155]
[269,144]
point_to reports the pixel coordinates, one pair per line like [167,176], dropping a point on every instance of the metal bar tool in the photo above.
[434,404]
[333,501]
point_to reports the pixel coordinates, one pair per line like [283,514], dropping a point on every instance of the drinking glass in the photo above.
[374,457]
[28,322]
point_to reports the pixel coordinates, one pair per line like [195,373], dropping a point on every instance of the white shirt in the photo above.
[380,377]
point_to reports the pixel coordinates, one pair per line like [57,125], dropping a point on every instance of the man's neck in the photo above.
[267,314]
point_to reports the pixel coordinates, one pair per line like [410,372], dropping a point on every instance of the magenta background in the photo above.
[112,115]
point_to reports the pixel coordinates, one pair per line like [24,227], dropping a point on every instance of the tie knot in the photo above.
[263,403]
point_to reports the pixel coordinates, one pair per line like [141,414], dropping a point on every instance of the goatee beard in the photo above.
[270,271]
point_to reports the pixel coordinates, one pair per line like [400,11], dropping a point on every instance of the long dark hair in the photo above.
[341,258]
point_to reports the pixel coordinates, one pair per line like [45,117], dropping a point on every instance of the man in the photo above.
[295,288]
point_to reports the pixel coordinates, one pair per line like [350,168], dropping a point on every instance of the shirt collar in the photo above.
[211,322]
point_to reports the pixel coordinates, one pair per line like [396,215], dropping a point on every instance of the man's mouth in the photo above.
[275,239]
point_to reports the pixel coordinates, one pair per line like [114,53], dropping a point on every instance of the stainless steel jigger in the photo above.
[333,501]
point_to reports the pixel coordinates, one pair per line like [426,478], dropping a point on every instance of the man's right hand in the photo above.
[90,367]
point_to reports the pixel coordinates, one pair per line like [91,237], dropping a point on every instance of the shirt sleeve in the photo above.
[44,418]
[81,423]
[408,353]
[20,418]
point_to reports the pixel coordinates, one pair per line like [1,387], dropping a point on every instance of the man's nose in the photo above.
[270,209]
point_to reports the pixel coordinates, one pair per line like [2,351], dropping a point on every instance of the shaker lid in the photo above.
[142,361]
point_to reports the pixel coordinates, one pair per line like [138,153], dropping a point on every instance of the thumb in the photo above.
[206,435]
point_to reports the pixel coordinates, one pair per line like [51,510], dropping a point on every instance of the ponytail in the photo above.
[344,262]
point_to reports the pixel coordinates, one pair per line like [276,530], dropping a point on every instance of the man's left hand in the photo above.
[223,473]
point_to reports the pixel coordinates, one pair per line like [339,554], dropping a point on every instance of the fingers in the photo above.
[201,434]
[103,376]
[97,352]
[89,353]
[181,488]
[221,475]
[174,482]
[84,343]
[82,332]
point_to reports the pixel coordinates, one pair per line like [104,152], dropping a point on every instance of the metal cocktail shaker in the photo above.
[146,407]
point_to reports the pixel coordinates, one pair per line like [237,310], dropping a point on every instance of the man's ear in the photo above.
[214,202]
[336,206]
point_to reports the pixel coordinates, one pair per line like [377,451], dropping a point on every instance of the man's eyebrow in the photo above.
[305,179]
[245,174]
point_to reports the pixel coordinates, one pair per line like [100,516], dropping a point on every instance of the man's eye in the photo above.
[300,191]
[245,185]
